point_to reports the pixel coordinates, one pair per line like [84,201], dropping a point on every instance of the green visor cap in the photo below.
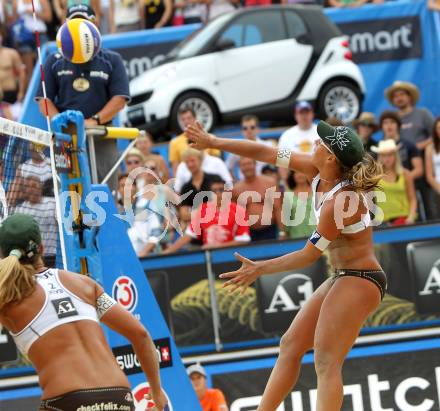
[344,143]
[19,231]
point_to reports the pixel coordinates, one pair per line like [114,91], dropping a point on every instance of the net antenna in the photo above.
[51,144]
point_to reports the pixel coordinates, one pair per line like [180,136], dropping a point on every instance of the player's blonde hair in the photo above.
[16,279]
[365,175]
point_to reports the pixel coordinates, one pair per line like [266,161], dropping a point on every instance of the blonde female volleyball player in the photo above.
[330,321]
[54,315]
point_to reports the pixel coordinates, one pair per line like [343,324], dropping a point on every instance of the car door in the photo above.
[267,61]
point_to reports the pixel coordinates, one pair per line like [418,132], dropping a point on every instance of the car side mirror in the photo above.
[225,44]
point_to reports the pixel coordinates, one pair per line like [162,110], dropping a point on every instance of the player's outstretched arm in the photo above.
[327,231]
[201,140]
[124,323]
[250,270]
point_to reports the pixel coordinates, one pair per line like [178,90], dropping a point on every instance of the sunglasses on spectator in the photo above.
[248,127]
[218,190]
[131,162]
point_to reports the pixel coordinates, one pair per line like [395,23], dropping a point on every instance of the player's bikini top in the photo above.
[60,306]
[350,229]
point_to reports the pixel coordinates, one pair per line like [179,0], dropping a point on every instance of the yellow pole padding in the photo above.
[122,132]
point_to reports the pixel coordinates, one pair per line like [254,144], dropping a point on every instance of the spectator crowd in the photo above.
[203,200]
[270,203]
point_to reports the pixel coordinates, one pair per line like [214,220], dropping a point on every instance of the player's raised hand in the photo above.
[244,276]
[198,137]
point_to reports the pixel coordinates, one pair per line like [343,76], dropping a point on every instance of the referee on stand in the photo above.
[98,88]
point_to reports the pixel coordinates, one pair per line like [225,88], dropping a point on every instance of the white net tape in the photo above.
[32,134]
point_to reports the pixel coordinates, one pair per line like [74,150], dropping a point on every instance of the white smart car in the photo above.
[253,60]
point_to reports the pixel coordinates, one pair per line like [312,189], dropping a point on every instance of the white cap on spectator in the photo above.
[196,368]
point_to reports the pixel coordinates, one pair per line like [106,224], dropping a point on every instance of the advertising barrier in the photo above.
[395,40]
[281,296]
[383,40]
[424,266]
[188,308]
[264,311]
[403,377]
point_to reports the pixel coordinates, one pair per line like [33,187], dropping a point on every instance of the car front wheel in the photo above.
[340,99]
[203,106]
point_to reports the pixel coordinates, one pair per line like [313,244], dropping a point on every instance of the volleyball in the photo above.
[78,40]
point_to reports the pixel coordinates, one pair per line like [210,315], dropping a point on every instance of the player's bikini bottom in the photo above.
[377,277]
[109,398]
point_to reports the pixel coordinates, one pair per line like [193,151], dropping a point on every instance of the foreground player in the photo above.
[54,315]
[330,321]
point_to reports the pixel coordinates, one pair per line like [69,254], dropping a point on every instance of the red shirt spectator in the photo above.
[218,226]
[218,223]
[250,3]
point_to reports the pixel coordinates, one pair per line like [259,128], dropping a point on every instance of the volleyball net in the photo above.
[26,180]
[31,160]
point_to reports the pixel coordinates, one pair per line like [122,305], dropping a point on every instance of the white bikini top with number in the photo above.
[350,229]
[60,306]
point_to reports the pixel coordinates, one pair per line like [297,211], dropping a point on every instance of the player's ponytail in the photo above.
[365,175]
[16,278]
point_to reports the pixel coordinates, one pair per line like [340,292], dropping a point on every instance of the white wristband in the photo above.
[319,241]
[283,157]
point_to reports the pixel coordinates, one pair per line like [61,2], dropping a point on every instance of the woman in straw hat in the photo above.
[53,316]
[340,172]
[397,184]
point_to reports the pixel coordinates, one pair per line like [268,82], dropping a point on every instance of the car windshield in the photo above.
[197,40]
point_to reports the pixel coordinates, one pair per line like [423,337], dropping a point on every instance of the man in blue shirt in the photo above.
[98,88]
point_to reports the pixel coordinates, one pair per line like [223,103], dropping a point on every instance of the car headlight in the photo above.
[141,98]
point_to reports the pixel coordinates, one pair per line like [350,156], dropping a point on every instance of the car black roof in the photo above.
[295,7]
[321,28]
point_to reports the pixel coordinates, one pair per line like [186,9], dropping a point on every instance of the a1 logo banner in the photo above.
[424,264]
[125,280]
[281,296]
